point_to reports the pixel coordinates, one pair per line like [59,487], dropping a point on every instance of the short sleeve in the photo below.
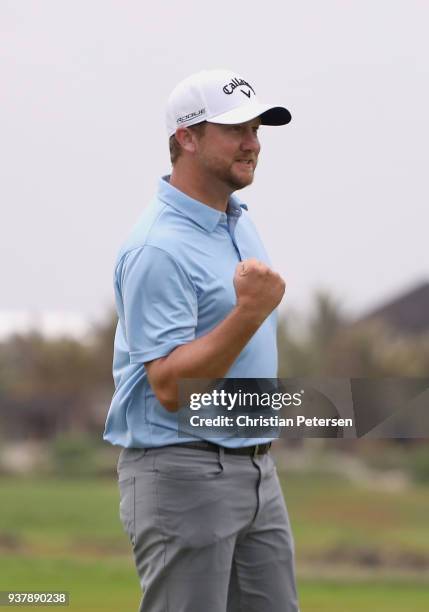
[159,304]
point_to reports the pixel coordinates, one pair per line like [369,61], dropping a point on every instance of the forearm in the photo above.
[209,356]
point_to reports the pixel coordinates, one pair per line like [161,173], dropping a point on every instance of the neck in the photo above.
[198,186]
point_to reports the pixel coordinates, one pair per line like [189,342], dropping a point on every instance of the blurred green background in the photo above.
[359,508]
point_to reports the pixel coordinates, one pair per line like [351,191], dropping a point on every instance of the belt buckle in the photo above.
[255,452]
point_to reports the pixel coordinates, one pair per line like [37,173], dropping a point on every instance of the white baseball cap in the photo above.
[218,96]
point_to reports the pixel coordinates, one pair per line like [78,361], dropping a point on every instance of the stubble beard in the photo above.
[226,175]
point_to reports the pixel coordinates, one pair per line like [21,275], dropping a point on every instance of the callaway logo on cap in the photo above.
[219,96]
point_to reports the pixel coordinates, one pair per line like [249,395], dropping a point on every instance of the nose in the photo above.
[250,141]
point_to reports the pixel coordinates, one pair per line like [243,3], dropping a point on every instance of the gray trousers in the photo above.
[210,531]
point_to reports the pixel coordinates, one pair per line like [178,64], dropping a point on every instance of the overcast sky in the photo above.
[340,195]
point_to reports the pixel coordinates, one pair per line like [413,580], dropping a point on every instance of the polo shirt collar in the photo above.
[203,215]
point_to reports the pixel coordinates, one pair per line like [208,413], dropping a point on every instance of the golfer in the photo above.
[196,298]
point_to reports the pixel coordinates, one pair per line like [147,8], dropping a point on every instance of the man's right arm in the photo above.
[259,290]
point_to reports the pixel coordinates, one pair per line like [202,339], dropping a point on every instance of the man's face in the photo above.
[229,153]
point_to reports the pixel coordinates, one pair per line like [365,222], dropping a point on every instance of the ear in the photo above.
[187,139]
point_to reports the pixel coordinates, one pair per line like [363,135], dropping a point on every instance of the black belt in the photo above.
[253,451]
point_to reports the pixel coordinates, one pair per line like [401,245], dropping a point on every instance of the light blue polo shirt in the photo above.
[174,283]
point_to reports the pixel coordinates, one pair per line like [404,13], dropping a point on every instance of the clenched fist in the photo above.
[258,288]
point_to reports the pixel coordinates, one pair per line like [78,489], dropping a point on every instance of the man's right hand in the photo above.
[258,288]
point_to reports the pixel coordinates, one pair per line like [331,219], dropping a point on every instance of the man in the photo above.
[196,298]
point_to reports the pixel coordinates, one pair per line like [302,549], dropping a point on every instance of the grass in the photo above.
[328,513]
[98,584]
[369,595]
[58,535]
[56,514]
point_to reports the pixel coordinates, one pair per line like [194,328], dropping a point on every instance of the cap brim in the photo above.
[270,115]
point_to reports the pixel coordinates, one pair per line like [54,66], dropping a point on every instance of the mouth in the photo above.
[246,163]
